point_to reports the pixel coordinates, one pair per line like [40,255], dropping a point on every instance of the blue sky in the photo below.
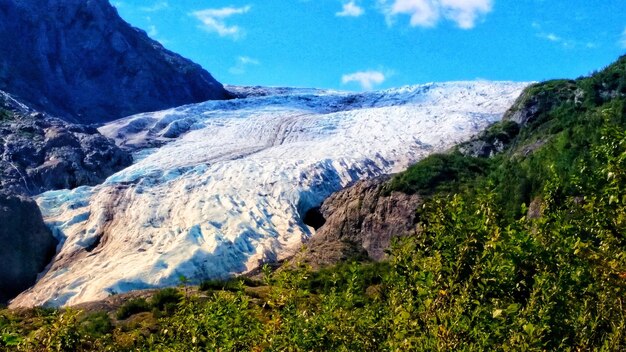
[372,44]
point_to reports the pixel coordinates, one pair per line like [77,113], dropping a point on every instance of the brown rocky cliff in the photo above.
[360,221]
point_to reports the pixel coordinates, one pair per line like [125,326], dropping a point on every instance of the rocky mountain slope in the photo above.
[220,187]
[27,245]
[40,153]
[359,222]
[78,60]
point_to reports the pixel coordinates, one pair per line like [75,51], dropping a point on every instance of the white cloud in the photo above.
[213,20]
[563,41]
[466,12]
[161,5]
[550,37]
[152,31]
[350,9]
[367,79]
[242,64]
[622,40]
[427,13]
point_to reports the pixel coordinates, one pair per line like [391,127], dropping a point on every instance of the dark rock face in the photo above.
[540,98]
[40,153]
[491,141]
[77,59]
[525,110]
[361,221]
[26,245]
[481,149]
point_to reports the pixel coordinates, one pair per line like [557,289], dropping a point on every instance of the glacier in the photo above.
[221,187]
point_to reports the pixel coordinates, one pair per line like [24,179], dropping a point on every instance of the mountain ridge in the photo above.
[80,61]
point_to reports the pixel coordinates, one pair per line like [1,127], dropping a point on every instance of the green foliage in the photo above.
[96,324]
[132,307]
[503,131]
[234,285]
[9,340]
[341,275]
[438,172]
[166,299]
[6,115]
[342,319]
[226,322]
[61,335]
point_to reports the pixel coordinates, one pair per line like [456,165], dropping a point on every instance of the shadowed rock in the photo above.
[40,153]
[27,245]
[78,60]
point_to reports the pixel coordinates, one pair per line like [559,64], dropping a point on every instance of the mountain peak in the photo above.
[81,61]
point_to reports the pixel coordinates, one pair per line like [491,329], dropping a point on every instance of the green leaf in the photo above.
[497,313]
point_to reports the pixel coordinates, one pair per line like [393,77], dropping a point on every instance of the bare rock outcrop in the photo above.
[40,153]
[360,222]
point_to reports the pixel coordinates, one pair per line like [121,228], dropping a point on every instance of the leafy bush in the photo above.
[503,131]
[96,324]
[166,299]
[5,115]
[338,277]
[227,322]
[61,335]
[132,307]
[234,285]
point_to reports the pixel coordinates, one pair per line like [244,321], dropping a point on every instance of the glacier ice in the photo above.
[218,188]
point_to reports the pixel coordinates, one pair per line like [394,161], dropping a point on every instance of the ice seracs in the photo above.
[220,187]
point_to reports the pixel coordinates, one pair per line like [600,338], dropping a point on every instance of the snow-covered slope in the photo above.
[220,187]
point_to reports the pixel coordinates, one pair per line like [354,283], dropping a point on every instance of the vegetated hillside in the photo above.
[551,129]
[522,251]
[80,61]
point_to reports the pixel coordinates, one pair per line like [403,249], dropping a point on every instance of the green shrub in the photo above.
[62,334]
[226,322]
[96,324]
[5,115]
[132,307]
[166,299]
[234,285]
